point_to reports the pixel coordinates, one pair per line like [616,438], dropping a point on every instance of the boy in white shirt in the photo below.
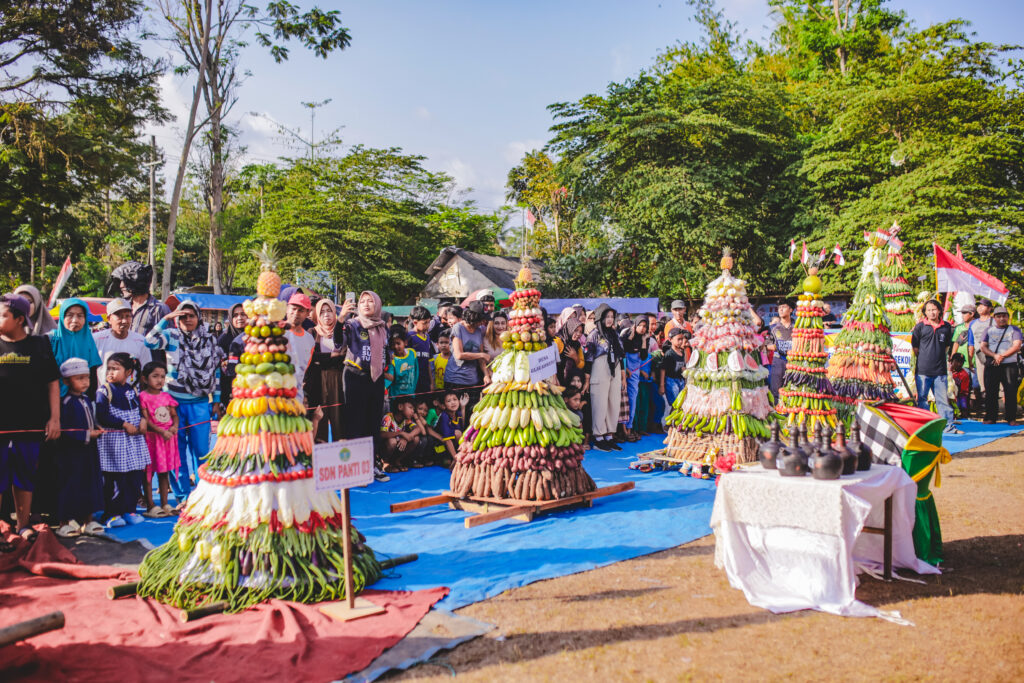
[299,340]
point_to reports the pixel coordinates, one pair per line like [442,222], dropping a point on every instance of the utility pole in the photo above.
[153,163]
[313,106]
[329,140]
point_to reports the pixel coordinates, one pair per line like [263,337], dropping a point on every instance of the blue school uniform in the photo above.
[79,486]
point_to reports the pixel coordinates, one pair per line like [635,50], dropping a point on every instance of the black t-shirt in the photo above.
[26,369]
[932,346]
[673,364]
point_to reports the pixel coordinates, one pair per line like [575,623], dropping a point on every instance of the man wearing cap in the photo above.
[300,341]
[976,330]
[29,404]
[119,337]
[678,320]
[1000,346]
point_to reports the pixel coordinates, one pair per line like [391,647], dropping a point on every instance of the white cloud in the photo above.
[463,172]
[515,150]
[422,113]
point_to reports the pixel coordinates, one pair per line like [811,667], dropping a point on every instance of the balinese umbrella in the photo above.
[501,299]
[912,438]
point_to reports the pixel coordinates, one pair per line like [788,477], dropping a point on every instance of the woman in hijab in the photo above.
[232,345]
[72,339]
[322,385]
[367,356]
[634,345]
[193,358]
[605,354]
[39,319]
[571,359]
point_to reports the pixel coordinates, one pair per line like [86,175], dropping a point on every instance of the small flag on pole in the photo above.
[821,257]
[792,249]
[62,279]
[839,259]
[804,254]
[530,218]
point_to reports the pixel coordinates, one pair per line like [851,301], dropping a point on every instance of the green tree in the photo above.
[534,185]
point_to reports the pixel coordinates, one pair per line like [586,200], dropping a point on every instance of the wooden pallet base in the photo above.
[494,509]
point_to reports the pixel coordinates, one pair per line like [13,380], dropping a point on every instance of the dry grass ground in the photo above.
[673,616]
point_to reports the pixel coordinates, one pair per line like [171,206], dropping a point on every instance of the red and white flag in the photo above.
[530,218]
[62,279]
[954,274]
[821,257]
[792,249]
[805,256]
[839,260]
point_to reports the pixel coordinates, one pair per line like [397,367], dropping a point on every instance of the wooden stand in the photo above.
[886,534]
[494,509]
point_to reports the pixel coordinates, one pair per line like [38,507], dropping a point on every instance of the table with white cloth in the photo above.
[792,543]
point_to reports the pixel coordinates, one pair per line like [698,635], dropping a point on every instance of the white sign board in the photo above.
[343,464]
[543,363]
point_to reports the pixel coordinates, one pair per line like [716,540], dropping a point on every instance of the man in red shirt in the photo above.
[678,320]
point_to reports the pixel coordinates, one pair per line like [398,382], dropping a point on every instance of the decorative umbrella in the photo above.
[97,308]
[911,438]
[501,299]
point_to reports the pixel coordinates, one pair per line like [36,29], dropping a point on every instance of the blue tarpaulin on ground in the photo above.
[663,511]
[621,305]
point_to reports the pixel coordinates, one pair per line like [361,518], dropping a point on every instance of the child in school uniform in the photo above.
[401,436]
[450,425]
[418,340]
[123,453]
[439,363]
[79,486]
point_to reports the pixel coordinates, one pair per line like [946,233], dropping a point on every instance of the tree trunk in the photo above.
[32,264]
[215,203]
[190,133]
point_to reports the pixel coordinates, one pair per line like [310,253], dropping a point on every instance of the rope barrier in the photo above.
[211,421]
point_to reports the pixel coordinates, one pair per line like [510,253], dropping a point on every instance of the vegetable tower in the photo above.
[255,528]
[522,442]
[896,290]
[725,403]
[808,397]
[861,366]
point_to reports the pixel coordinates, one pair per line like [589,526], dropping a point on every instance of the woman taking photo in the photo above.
[322,383]
[467,369]
[604,351]
[231,343]
[365,349]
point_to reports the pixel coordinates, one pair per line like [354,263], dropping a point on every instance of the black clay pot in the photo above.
[792,459]
[769,451]
[848,455]
[829,463]
[863,452]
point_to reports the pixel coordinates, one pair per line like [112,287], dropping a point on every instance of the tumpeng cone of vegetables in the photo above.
[725,405]
[899,305]
[862,364]
[807,397]
[255,528]
[522,442]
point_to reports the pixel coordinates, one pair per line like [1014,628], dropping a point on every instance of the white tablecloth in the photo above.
[792,543]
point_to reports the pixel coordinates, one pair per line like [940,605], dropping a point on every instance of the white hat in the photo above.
[115,305]
[74,366]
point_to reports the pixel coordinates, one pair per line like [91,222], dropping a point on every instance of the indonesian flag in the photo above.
[821,256]
[805,256]
[954,274]
[792,249]
[530,218]
[839,260]
[62,279]
[895,244]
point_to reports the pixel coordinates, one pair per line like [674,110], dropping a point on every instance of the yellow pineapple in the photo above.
[269,282]
[726,262]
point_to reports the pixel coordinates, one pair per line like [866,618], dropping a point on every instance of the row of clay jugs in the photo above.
[854,455]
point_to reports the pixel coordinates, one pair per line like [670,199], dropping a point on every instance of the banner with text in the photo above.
[543,363]
[343,464]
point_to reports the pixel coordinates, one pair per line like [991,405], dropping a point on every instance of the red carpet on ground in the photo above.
[134,639]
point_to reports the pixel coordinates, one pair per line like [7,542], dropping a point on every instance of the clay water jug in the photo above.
[848,455]
[828,464]
[863,452]
[769,451]
[792,461]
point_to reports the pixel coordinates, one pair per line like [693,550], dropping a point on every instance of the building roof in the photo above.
[500,270]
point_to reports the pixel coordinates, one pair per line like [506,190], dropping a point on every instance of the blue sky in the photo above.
[466,83]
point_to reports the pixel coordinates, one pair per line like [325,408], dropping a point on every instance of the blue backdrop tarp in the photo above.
[621,305]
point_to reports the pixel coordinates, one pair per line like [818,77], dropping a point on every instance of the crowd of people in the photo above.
[91,416]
